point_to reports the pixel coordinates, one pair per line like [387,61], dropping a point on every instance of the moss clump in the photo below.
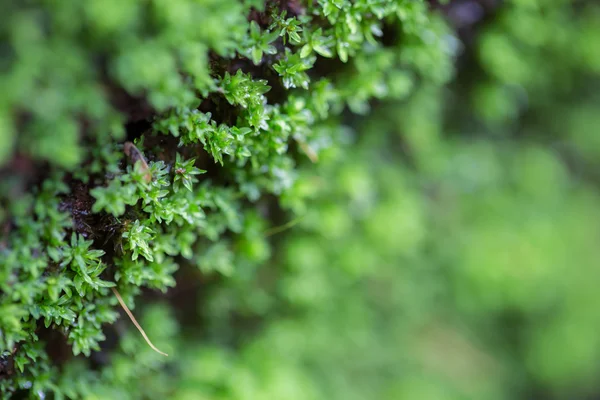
[242,92]
[166,148]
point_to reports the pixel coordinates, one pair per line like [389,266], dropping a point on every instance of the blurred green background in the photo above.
[454,252]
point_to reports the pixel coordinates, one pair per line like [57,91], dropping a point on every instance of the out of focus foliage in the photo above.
[329,214]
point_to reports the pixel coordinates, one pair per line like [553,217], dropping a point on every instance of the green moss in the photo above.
[306,214]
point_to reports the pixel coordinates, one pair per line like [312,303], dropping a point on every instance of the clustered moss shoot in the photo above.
[220,142]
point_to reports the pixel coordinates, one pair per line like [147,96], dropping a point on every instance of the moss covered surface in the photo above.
[328,199]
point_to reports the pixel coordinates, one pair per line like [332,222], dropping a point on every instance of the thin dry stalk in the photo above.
[118,295]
